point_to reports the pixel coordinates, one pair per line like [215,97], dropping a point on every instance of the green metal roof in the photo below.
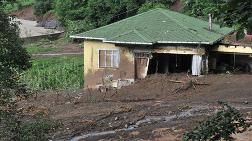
[158,26]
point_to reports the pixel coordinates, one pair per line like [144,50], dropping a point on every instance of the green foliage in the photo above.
[150,5]
[201,8]
[55,73]
[237,13]
[79,16]
[44,45]
[69,10]
[222,125]
[232,13]
[10,7]
[103,12]
[36,49]
[42,6]
[74,27]
[13,60]
[36,130]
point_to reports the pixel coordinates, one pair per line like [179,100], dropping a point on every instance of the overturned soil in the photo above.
[25,13]
[160,107]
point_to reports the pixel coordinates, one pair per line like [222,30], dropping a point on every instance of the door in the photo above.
[141,65]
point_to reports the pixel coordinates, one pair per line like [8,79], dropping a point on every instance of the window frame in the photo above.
[112,59]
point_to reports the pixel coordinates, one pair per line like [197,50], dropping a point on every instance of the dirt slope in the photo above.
[25,14]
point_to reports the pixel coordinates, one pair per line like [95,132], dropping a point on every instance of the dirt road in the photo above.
[151,109]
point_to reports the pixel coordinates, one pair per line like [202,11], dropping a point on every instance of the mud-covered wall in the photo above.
[175,49]
[94,75]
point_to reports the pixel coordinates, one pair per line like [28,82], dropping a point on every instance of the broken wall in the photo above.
[94,75]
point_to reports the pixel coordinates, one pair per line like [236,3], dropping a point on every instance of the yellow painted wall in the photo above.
[233,49]
[93,74]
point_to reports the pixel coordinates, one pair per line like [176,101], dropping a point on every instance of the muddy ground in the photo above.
[155,108]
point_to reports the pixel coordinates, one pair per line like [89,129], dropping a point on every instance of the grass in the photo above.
[55,73]
[36,49]
[18,5]
[44,45]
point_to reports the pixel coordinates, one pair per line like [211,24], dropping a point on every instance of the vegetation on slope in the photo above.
[14,60]
[55,73]
[10,7]
[44,46]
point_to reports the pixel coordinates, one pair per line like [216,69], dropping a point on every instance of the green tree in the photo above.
[42,6]
[96,13]
[237,14]
[150,5]
[69,10]
[201,8]
[103,12]
[13,60]
[232,13]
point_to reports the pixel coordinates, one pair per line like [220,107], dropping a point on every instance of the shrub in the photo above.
[222,125]
[37,130]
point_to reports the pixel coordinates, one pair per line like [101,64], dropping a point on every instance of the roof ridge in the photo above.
[185,27]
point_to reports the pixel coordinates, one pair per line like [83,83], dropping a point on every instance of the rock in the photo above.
[134,133]
[52,24]
[245,102]
[116,118]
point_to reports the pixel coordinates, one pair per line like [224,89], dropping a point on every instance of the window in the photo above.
[108,58]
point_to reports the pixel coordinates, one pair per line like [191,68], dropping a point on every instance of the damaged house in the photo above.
[157,41]
[231,54]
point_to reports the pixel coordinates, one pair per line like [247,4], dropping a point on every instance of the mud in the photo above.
[147,110]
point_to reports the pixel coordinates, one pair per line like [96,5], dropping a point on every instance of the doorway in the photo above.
[169,63]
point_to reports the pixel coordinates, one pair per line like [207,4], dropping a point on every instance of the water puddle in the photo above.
[193,111]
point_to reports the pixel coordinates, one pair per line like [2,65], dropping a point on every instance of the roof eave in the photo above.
[178,42]
[132,43]
[87,38]
[223,37]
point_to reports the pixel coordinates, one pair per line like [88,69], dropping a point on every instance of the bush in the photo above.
[226,122]
[37,130]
